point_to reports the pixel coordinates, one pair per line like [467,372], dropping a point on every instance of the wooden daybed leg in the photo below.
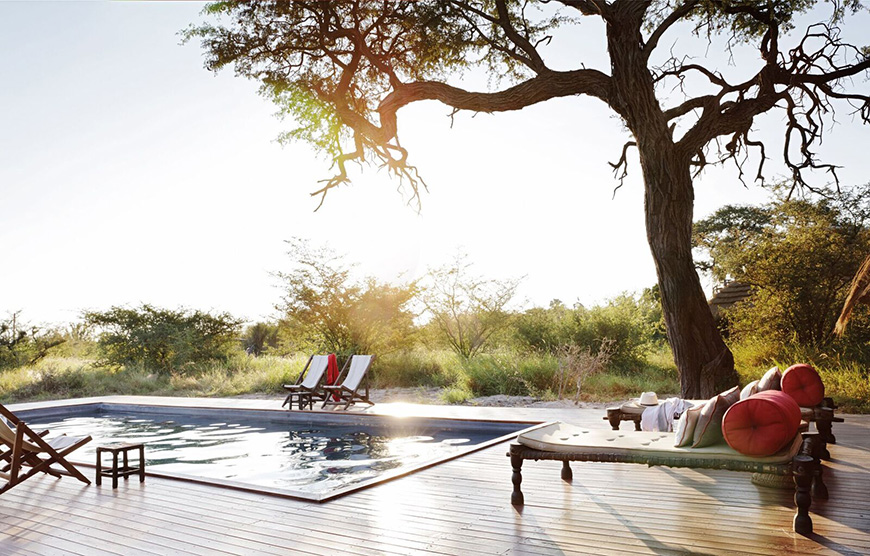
[613,416]
[817,448]
[517,498]
[828,403]
[824,421]
[567,474]
[802,471]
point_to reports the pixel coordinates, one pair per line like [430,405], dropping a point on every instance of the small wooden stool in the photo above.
[116,471]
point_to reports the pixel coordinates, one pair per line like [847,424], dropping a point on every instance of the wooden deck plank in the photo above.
[460,507]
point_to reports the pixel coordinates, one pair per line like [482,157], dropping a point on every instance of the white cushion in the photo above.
[565,438]
[684,431]
[749,390]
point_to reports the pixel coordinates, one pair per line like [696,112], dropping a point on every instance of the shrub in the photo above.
[23,344]
[412,368]
[576,364]
[468,310]
[163,339]
[632,326]
[260,337]
[325,308]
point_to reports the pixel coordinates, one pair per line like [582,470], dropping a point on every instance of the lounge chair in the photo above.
[28,453]
[306,388]
[348,391]
[562,442]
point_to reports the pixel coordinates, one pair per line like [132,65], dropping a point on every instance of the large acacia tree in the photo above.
[344,69]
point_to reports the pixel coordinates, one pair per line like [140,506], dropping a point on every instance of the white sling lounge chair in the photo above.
[306,388]
[348,391]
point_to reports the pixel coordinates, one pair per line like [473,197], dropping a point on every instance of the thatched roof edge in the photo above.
[858,293]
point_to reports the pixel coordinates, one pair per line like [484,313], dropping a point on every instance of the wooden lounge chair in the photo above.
[822,415]
[28,453]
[306,389]
[348,391]
[562,442]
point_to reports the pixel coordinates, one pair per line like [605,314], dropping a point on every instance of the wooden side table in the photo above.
[125,470]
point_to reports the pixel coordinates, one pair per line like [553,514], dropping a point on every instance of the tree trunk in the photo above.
[705,363]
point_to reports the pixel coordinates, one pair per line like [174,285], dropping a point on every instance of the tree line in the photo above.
[798,254]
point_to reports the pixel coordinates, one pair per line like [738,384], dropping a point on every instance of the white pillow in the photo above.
[770,380]
[749,390]
[684,431]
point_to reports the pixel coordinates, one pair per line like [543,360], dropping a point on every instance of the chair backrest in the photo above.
[359,365]
[7,434]
[315,371]
[9,424]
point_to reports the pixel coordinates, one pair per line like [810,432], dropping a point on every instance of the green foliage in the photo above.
[162,339]
[403,369]
[845,375]
[633,324]
[260,338]
[799,255]
[22,344]
[326,309]
[468,310]
[58,378]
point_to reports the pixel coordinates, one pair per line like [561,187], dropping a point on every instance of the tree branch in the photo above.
[675,16]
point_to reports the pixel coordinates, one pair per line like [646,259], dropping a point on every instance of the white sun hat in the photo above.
[648,398]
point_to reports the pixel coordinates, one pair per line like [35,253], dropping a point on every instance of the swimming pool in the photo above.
[313,456]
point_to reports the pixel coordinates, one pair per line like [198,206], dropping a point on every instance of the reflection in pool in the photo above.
[302,457]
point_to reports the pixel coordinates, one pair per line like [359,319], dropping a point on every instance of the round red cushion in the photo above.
[763,424]
[804,384]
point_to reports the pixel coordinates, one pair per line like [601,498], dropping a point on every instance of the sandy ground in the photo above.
[433,396]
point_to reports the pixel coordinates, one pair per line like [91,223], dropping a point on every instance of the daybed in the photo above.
[566,443]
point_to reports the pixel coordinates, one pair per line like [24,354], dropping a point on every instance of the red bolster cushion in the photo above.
[804,384]
[763,424]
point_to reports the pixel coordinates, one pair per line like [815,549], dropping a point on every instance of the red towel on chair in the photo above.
[332,373]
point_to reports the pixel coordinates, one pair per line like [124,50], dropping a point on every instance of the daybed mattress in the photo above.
[566,438]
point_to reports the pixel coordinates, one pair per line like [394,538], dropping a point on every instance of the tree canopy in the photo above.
[798,254]
[324,306]
[343,70]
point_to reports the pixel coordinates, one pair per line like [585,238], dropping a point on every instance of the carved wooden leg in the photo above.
[802,471]
[613,416]
[824,420]
[517,498]
[567,474]
[828,403]
[819,489]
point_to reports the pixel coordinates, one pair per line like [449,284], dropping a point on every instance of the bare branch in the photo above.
[675,16]
[621,163]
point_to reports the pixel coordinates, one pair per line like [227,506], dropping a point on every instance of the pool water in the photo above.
[288,454]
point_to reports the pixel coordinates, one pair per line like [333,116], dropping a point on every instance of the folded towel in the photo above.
[660,418]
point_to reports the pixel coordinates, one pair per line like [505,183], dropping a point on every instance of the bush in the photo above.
[469,311]
[162,339]
[846,378]
[22,344]
[413,368]
[260,338]
[633,325]
[325,308]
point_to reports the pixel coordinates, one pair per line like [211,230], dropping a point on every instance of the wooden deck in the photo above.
[460,507]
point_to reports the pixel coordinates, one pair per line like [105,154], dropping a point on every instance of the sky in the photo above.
[129,174]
